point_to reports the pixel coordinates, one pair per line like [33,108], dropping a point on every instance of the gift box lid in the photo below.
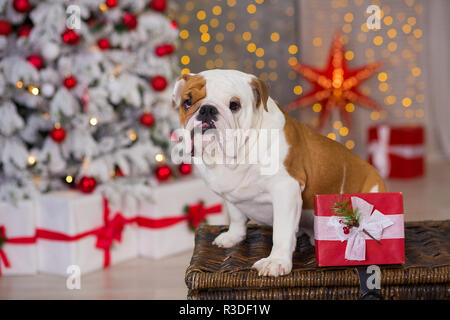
[403,135]
[217,273]
[387,202]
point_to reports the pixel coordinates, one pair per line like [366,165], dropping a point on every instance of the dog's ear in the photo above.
[176,94]
[261,91]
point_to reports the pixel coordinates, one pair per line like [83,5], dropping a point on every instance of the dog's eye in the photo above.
[187,103]
[234,106]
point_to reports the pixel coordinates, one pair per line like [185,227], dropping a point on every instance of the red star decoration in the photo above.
[336,85]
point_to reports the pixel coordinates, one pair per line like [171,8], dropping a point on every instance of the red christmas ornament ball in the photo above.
[70,82]
[119,172]
[21,6]
[147,119]
[346,230]
[5,28]
[36,60]
[163,172]
[87,184]
[103,43]
[24,31]
[158,5]
[159,83]
[58,134]
[70,37]
[164,49]
[185,169]
[129,20]
[174,24]
[111,3]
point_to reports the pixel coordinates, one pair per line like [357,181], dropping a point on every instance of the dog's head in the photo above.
[219,99]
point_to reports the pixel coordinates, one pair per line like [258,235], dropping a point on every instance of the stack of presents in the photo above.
[60,229]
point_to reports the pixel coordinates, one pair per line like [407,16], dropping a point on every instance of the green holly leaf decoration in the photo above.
[343,209]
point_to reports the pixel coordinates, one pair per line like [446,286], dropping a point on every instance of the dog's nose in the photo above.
[207,113]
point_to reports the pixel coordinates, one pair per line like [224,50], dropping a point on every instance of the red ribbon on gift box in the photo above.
[196,214]
[106,235]
[112,229]
[17,240]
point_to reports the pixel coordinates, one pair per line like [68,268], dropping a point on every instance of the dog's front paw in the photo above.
[273,266]
[227,239]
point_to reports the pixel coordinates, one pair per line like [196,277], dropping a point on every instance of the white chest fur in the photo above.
[244,187]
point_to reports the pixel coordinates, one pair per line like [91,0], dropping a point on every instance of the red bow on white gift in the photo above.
[110,232]
[3,257]
[17,240]
[197,213]
[369,224]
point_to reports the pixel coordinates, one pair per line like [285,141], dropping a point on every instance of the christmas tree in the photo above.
[84,92]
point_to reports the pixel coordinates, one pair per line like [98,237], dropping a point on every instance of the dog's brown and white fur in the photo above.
[310,164]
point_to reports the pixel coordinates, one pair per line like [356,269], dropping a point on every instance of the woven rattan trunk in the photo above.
[217,273]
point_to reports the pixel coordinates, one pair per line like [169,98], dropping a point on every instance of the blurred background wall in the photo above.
[267,37]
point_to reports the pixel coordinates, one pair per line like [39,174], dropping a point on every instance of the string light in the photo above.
[201,15]
[31,160]
[416,71]
[247,36]
[350,107]
[202,50]
[214,23]
[259,52]
[205,37]
[293,49]
[317,42]
[298,90]
[93,121]
[317,107]
[406,102]
[275,36]
[185,60]
[69,179]
[132,134]
[159,157]
[203,28]
[378,40]
[33,90]
[350,144]
[217,10]
[184,34]
[374,115]
[251,47]
[343,131]
[251,8]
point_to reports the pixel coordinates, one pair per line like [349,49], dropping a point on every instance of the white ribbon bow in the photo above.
[373,223]
[380,150]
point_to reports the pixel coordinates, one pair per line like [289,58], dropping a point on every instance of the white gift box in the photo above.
[80,217]
[19,249]
[170,232]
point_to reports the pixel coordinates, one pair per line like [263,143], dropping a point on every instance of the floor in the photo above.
[425,199]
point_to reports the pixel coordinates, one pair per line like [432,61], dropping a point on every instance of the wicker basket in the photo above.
[216,273]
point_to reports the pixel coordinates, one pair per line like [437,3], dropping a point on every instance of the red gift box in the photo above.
[397,152]
[381,219]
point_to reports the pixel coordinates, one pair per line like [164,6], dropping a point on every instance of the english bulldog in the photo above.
[309,163]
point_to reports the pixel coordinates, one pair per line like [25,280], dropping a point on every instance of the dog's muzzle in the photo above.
[207,115]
